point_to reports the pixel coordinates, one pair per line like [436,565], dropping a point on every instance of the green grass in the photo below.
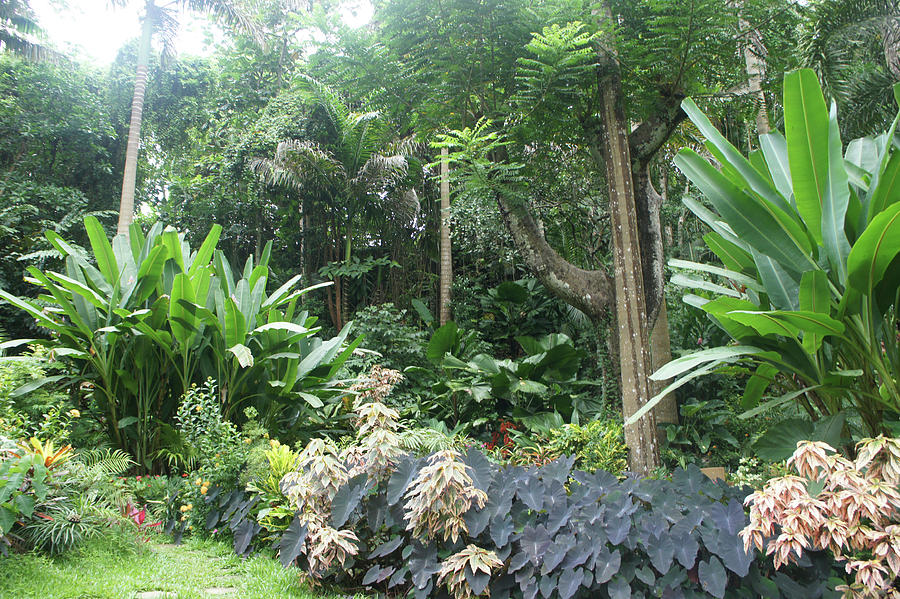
[103,570]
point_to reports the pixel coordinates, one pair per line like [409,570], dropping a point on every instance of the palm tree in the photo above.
[357,167]
[162,20]
[854,46]
[19,31]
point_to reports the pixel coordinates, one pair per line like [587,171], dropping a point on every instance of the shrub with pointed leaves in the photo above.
[471,564]
[439,497]
[847,507]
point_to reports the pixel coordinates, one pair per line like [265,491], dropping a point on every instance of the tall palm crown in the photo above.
[359,166]
[162,20]
[854,47]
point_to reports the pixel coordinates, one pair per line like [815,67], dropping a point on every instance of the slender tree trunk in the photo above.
[661,354]
[126,204]
[755,65]
[631,314]
[446,250]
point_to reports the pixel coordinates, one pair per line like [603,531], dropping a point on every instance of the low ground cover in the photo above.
[107,569]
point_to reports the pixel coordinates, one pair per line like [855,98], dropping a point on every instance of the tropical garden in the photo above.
[537,298]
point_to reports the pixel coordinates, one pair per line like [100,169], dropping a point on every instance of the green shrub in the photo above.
[598,445]
[146,318]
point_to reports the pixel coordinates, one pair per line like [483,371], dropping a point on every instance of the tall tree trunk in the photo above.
[446,251]
[126,204]
[631,314]
[755,65]
[660,355]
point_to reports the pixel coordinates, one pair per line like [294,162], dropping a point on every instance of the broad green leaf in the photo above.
[276,298]
[806,130]
[206,250]
[172,241]
[815,297]
[757,385]
[739,278]
[765,227]
[734,158]
[775,402]
[714,222]
[282,326]
[34,311]
[103,251]
[781,286]
[243,354]
[835,201]
[764,323]
[235,325]
[36,384]
[708,367]
[884,174]
[442,341]
[182,321]
[715,354]
[732,256]
[887,186]
[692,283]
[774,148]
[874,251]
[720,308]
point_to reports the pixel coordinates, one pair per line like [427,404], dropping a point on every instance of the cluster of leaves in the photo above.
[807,236]
[154,316]
[850,508]
[469,388]
[51,499]
[597,445]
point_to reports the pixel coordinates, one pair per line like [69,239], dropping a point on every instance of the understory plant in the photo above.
[455,524]
[145,317]
[849,508]
[808,235]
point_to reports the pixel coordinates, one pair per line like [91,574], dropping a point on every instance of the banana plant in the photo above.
[145,317]
[808,235]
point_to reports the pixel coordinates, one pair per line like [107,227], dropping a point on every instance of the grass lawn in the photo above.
[103,571]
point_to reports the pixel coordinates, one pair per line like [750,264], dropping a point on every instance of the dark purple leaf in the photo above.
[386,548]
[291,543]
[713,577]
[535,541]
[607,565]
[347,499]
[569,582]
[619,588]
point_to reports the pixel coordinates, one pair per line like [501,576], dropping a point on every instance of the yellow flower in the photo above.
[248,441]
[198,408]
[183,518]
[183,509]
[203,490]
[74,413]
[190,506]
[206,483]
[198,482]
[190,527]
[217,464]
[274,443]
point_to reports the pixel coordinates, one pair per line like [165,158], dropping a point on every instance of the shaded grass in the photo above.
[105,569]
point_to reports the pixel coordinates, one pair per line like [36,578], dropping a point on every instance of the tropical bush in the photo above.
[850,508]
[456,524]
[598,445]
[808,235]
[144,318]
[52,499]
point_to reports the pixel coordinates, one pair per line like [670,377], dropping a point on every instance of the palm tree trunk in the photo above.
[446,250]
[631,314]
[126,204]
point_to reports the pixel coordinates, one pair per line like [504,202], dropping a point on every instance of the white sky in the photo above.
[92,30]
